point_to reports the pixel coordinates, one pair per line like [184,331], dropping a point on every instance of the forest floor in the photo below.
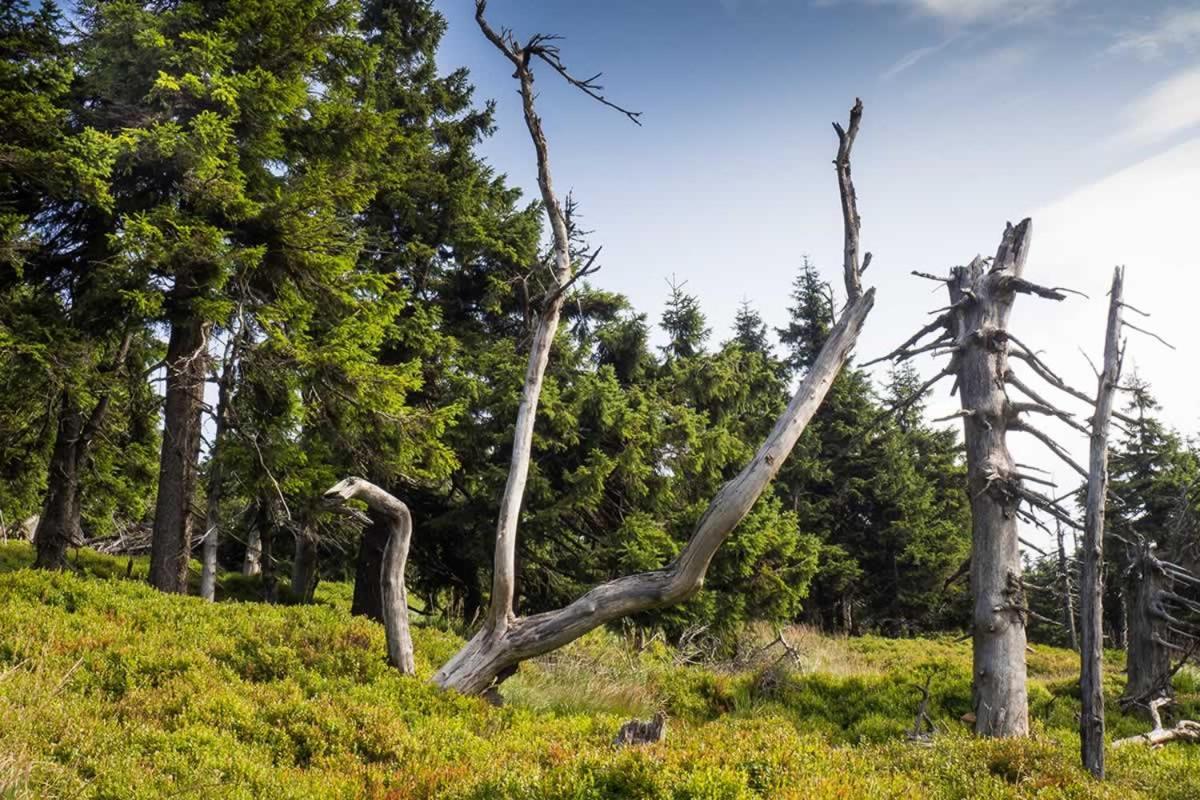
[109,689]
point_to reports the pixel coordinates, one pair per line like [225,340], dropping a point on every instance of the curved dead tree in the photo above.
[393,515]
[505,638]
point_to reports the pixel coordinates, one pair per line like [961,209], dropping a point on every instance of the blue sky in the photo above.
[1082,114]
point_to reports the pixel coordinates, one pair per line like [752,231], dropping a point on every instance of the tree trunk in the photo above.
[58,526]
[304,567]
[252,562]
[1064,586]
[212,519]
[393,515]
[981,298]
[368,570]
[266,538]
[1148,653]
[171,543]
[1091,583]
[494,652]
[216,472]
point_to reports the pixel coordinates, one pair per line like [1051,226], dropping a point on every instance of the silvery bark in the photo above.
[1091,584]
[981,299]
[394,515]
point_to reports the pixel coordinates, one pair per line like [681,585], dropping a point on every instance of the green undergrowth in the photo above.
[109,689]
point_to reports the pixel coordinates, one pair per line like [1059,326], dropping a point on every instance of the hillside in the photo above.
[109,689]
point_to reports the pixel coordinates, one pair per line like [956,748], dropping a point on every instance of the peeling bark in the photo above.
[981,299]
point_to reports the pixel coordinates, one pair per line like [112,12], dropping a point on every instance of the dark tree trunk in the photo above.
[171,545]
[58,526]
[1147,655]
[304,567]
[368,596]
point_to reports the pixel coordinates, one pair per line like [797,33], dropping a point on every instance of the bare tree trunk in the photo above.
[216,472]
[266,537]
[170,548]
[489,653]
[981,298]
[1091,584]
[395,517]
[1064,585]
[505,639]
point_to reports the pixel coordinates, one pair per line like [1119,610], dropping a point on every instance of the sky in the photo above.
[1082,114]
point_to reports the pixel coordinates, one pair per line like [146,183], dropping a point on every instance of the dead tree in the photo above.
[1183,731]
[506,639]
[1162,622]
[1091,585]
[237,337]
[1148,651]
[1065,588]
[973,331]
[392,514]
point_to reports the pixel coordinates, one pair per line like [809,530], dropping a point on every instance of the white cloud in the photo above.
[912,57]
[1170,107]
[965,12]
[1175,27]
[973,10]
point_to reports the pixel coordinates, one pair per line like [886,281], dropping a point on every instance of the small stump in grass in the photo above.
[638,731]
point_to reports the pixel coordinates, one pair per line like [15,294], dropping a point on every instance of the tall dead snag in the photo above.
[392,514]
[973,331]
[1162,622]
[1091,588]
[1148,650]
[506,639]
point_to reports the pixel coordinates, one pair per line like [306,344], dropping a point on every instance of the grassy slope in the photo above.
[111,690]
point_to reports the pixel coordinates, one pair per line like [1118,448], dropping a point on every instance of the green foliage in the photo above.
[111,689]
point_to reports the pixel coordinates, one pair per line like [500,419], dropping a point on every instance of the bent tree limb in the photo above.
[506,639]
[1184,731]
[473,668]
[395,516]
[1091,589]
